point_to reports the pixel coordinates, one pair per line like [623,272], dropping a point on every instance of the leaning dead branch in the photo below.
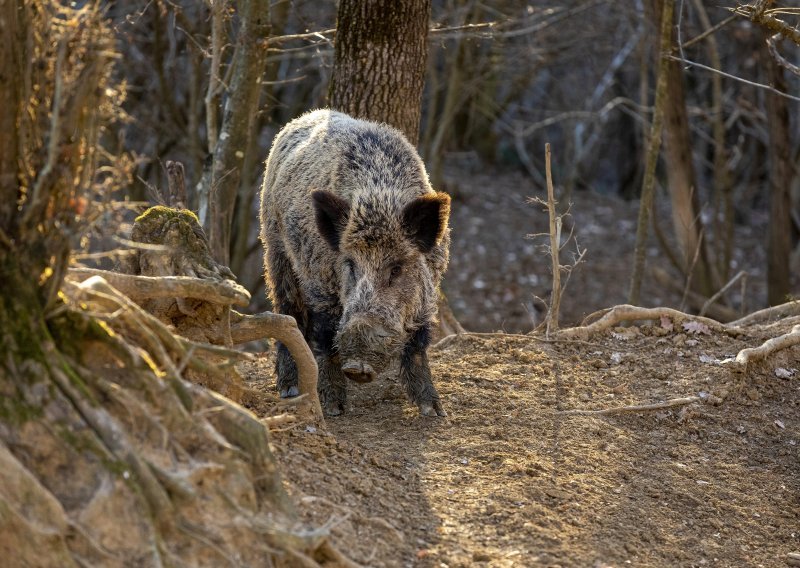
[634,408]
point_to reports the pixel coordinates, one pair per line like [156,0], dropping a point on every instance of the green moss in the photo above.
[159,212]
[16,412]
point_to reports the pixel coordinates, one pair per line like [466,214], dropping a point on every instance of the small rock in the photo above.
[481,557]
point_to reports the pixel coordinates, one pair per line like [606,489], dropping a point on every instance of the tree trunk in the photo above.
[653,149]
[379,62]
[779,245]
[682,182]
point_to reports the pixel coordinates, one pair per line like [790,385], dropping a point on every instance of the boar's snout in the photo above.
[365,349]
[358,371]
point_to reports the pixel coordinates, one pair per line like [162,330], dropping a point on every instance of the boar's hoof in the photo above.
[433,409]
[358,371]
[290,392]
[333,409]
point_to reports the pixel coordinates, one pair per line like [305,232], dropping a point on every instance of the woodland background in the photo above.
[132,432]
[501,80]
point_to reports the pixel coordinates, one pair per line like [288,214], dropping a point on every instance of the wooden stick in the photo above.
[721,291]
[176,178]
[555,244]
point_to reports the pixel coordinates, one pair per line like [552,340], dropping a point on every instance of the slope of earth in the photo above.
[510,479]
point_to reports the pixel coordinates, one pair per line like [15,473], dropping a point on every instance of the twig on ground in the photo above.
[634,408]
[281,419]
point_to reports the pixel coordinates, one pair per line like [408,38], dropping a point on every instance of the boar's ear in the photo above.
[331,212]
[425,219]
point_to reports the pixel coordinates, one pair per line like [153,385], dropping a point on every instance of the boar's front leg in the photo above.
[415,374]
[331,382]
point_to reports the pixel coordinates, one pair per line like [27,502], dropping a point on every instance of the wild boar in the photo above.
[355,245]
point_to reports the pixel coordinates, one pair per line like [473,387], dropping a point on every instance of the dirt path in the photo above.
[508,480]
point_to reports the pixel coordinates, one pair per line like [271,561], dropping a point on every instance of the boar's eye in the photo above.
[395,271]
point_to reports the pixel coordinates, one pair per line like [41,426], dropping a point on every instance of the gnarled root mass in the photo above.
[109,458]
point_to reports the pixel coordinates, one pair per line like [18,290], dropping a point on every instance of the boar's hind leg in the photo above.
[415,374]
[331,384]
[286,300]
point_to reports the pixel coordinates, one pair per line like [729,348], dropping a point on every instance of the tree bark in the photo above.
[379,62]
[779,245]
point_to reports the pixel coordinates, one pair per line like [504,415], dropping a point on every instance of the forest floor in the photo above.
[508,478]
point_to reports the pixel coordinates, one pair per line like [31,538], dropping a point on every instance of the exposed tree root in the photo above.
[768,314]
[627,313]
[752,354]
[246,328]
[173,352]
[138,288]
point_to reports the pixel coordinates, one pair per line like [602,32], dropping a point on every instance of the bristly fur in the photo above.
[352,229]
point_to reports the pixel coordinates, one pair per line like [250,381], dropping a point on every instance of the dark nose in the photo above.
[358,371]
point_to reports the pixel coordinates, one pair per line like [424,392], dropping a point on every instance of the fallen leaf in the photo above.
[666,323]
[696,328]
[709,359]
[780,424]
[782,373]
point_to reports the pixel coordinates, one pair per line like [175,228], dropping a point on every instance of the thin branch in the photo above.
[721,291]
[708,32]
[735,78]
